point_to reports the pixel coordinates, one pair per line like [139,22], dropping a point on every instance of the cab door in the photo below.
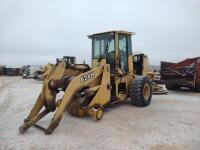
[121,82]
[123,64]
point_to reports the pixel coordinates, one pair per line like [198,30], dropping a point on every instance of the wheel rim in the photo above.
[146,91]
[99,114]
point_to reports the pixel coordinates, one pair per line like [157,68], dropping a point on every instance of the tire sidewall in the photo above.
[146,81]
[136,91]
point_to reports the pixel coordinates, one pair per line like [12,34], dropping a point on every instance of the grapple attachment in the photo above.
[80,85]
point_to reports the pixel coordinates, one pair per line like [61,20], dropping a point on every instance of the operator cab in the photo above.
[140,63]
[114,47]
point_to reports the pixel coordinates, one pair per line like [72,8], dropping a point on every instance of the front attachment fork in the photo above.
[46,98]
[35,114]
[28,124]
[36,108]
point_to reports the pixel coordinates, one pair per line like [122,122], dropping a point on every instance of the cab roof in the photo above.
[114,31]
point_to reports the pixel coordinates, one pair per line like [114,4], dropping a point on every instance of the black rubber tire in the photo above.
[198,88]
[169,86]
[136,91]
[172,87]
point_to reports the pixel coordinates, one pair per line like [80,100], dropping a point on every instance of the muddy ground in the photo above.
[171,122]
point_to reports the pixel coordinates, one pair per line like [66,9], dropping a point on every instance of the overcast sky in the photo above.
[39,31]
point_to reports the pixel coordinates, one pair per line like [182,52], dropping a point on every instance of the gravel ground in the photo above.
[171,122]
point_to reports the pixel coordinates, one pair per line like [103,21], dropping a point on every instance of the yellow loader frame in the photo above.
[88,90]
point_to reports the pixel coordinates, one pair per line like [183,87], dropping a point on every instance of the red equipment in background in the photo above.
[183,74]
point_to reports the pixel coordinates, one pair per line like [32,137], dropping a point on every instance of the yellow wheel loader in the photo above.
[88,90]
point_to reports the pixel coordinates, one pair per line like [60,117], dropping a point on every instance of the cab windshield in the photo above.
[102,45]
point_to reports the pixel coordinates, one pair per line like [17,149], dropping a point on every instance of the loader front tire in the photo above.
[141,91]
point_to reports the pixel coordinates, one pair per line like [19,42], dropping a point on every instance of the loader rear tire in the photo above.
[141,91]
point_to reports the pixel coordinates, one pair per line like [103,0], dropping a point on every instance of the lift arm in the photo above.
[47,97]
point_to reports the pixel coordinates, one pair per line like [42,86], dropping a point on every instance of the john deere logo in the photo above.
[87,77]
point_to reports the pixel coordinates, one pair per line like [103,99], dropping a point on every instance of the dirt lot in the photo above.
[171,122]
